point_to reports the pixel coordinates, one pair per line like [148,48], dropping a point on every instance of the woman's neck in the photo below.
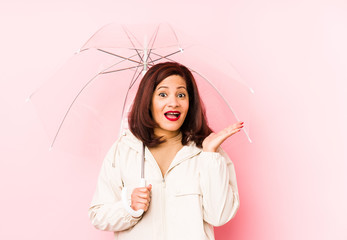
[168,135]
[165,152]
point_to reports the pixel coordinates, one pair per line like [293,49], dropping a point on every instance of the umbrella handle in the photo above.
[132,212]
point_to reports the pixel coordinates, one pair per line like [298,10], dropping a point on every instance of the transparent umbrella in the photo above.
[84,107]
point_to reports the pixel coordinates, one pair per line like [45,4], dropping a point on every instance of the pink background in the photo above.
[292,179]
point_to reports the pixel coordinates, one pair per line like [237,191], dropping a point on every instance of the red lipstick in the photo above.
[172,115]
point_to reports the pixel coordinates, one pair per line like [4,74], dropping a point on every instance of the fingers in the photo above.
[237,125]
[141,197]
[232,129]
[149,187]
[214,140]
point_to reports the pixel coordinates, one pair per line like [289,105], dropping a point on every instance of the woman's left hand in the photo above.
[214,140]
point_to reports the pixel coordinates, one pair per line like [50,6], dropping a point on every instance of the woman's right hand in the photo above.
[141,197]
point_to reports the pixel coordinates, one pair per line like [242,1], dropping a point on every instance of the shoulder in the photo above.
[126,144]
[127,140]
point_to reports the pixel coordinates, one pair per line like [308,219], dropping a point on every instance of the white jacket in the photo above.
[198,191]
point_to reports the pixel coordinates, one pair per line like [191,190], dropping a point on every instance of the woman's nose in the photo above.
[173,101]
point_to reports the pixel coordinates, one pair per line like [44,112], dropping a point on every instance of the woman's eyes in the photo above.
[180,95]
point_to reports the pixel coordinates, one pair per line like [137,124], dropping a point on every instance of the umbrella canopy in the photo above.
[84,107]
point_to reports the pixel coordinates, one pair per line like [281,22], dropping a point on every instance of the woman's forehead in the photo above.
[173,81]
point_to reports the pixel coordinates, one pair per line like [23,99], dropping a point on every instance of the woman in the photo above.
[191,182]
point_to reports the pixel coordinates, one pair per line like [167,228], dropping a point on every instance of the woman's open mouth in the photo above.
[172,115]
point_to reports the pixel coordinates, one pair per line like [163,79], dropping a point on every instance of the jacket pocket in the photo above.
[187,205]
[187,190]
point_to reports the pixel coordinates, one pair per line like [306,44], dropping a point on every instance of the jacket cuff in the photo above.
[131,219]
[210,155]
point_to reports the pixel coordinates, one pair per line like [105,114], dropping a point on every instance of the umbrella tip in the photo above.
[252,91]
[50,148]
[181,49]
[29,97]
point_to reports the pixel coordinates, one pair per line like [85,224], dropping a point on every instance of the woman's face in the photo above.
[170,104]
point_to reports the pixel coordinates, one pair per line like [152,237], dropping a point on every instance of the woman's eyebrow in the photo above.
[162,87]
[181,87]
[168,87]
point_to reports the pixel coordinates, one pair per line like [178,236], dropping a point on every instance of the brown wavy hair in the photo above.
[194,128]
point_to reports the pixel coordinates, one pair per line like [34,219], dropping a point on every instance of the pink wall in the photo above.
[292,179]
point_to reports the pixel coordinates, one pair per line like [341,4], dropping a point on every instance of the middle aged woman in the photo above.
[191,182]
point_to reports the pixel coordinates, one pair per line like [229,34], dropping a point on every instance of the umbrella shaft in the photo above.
[145,55]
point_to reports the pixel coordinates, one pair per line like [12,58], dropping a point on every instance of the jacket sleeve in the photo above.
[219,188]
[106,211]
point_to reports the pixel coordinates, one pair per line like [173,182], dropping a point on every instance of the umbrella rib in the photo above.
[79,93]
[165,57]
[113,54]
[134,80]
[126,96]
[103,27]
[178,42]
[124,59]
[126,30]
[231,109]
[103,71]
[68,110]
[181,50]
[118,70]
[132,43]
[151,48]
[152,62]
[149,56]
[155,36]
